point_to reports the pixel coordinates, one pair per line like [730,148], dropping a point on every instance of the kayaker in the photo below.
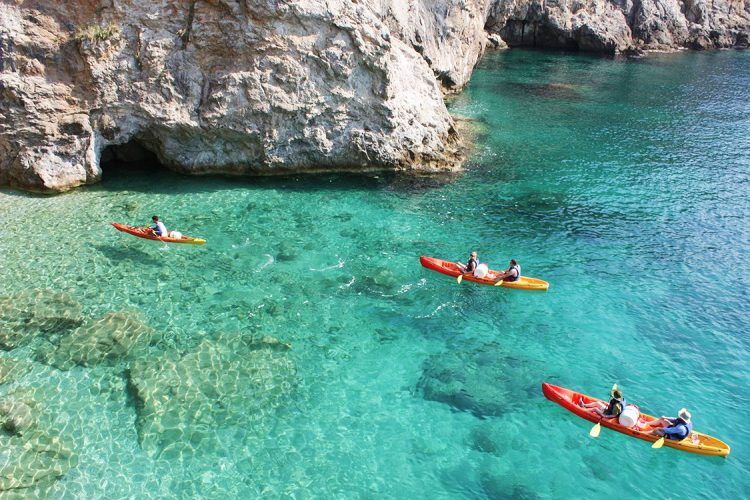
[471,265]
[513,273]
[670,427]
[612,410]
[158,228]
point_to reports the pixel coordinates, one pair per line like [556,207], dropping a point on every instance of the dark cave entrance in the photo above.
[134,158]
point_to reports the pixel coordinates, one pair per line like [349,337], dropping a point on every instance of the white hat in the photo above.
[684,415]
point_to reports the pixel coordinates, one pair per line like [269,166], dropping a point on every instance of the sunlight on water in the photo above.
[303,351]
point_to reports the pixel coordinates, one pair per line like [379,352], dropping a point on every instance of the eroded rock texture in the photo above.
[612,26]
[222,86]
[278,86]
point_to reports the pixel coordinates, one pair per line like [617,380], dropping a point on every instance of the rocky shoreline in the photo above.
[266,88]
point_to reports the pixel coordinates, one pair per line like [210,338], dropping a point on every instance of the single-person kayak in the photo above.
[696,442]
[451,269]
[146,233]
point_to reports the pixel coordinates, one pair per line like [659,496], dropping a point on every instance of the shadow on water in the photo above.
[153,178]
[127,255]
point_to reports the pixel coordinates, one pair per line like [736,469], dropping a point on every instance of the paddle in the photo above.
[597,429]
[459,278]
[658,443]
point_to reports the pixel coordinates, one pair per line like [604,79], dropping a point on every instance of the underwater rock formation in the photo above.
[114,337]
[29,314]
[13,369]
[183,398]
[33,459]
[478,378]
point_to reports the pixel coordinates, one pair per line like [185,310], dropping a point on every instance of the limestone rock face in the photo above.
[114,337]
[264,87]
[29,314]
[185,398]
[613,26]
[226,87]
[448,34]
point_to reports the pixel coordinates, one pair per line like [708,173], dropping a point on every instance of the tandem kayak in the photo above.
[451,269]
[145,233]
[696,442]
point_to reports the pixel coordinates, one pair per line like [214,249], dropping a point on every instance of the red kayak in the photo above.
[148,234]
[451,269]
[696,442]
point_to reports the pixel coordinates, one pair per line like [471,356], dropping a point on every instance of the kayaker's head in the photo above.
[684,415]
[513,262]
[617,393]
[155,218]
[474,254]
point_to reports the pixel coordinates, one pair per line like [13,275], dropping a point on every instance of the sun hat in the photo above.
[684,414]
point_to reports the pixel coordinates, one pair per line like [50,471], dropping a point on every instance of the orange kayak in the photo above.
[451,269]
[696,442]
[146,233]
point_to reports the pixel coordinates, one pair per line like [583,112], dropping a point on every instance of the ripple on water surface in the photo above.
[304,352]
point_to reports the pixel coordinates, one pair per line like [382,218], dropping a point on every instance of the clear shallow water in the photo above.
[623,183]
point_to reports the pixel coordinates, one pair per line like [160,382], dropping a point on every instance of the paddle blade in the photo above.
[596,430]
[459,278]
[499,283]
[658,443]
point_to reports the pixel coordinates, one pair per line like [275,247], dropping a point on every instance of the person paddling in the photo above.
[670,427]
[513,273]
[471,265]
[612,410]
[159,229]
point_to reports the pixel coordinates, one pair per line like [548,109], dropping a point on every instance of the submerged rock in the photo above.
[29,314]
[13,369]
[114,337]
[184,398]
[34,459]
[16,417]
[479,378]
[32,454]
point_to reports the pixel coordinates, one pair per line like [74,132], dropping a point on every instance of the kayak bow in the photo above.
[451,269]
[147,234]
[696,442]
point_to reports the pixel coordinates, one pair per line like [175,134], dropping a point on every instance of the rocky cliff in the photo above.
[613,26]
[275,86]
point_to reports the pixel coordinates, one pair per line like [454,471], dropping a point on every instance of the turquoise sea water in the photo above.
[623,183]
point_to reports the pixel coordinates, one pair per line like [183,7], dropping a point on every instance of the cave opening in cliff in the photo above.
[131,158]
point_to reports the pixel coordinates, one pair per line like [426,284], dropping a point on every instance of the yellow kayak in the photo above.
[696,442]
[451,269]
